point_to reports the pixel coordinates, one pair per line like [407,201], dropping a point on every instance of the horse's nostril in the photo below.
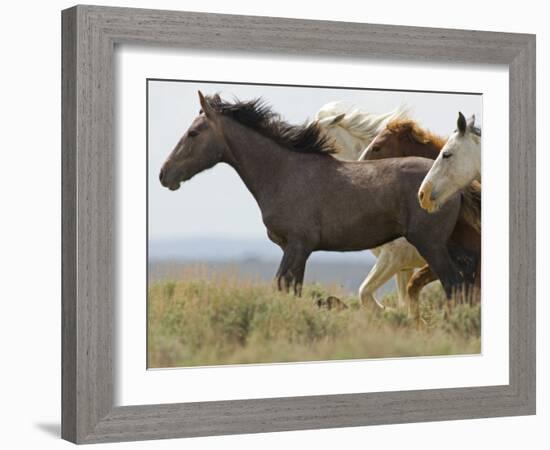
[161,175]
[421,195]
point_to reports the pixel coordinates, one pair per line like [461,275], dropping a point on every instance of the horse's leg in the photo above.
[292,268]
[281,270]
[298,271]
[401,279]
[420,279]
[476,297]
[467,262]
[430,234]
[440,261]
[381,272]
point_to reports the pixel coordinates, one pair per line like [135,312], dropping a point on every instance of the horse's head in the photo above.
[387,144]
[457,165]
[350,145]
[200,148]
[354,129]
[399,138]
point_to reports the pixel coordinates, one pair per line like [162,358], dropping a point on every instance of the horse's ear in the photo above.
[208,110]
[331,120]
[337,118]
[461,123]
[471,121]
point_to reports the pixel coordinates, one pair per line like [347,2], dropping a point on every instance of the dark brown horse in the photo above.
[404,138]
[310,200]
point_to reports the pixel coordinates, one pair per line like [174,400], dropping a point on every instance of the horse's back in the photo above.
[401,172]
[369,203]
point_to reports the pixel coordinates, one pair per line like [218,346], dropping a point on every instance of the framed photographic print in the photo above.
[265,230]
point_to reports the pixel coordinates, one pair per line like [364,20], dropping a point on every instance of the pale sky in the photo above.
[216,203]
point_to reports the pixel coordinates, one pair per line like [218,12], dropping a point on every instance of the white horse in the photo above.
[457,165]
[353,130]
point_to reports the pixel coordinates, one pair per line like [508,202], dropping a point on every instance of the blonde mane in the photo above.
[361,124]
[421,135]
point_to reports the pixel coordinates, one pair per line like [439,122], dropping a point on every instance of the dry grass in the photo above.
[203,320]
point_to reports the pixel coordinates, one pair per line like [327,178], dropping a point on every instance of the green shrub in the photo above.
[226,320]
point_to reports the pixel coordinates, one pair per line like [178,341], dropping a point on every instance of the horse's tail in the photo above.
[471,205]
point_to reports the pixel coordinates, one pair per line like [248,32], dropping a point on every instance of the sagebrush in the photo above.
[227,320]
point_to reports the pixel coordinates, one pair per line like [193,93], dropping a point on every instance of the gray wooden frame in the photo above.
[89,37]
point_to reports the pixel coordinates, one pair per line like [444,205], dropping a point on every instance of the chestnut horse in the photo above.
[310,200]
[404,138]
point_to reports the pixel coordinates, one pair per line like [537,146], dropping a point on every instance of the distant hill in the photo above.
[348,276]
[255,259]
[204,248]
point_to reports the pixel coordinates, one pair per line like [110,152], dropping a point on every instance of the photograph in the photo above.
[250,225]
[311,223]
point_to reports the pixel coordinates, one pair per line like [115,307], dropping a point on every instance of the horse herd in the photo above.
[347,181]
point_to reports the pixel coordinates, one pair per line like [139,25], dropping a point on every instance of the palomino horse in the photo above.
[457,165]
[357,206]
[402,138]
[353,129]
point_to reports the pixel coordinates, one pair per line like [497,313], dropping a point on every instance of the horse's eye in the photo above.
[447,155]
[192,133]
[376,148]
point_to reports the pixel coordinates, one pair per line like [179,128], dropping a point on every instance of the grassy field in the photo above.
[201,320]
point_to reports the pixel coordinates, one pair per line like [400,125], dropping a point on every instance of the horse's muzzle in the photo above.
[425,197]
[164,180]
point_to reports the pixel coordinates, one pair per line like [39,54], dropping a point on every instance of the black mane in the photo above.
[257,115]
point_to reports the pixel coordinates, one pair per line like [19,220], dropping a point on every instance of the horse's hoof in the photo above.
[331,302]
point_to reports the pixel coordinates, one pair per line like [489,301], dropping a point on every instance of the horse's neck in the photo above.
[350,152]
[473,153]
[478,163]
[351,146]
[428,150]
[258,160]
